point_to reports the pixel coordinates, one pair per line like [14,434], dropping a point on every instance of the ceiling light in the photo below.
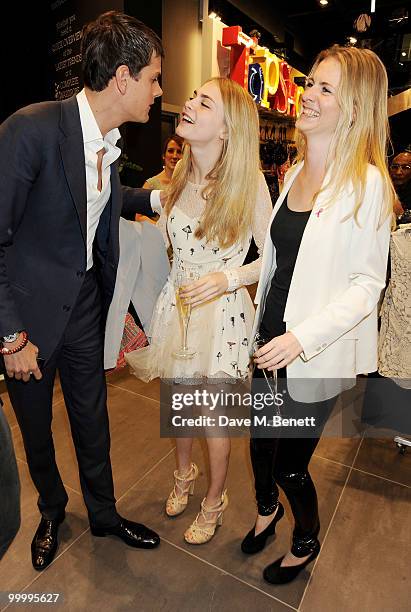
[323,2]
[403,54]
[352,40]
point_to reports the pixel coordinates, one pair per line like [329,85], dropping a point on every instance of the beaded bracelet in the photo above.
[16,349]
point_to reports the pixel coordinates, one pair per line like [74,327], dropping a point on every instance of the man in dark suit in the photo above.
[60,203]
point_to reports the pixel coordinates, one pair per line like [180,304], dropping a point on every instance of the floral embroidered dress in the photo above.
[219,330]
[394,350]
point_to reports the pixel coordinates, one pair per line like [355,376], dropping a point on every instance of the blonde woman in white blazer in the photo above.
[323,270]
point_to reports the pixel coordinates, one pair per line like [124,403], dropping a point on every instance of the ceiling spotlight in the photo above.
[403,54]
[323,2]
[352,40]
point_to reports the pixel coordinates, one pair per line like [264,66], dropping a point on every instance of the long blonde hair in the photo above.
[232,184]
[362,131]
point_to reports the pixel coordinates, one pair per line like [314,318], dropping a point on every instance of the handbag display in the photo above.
[133,338]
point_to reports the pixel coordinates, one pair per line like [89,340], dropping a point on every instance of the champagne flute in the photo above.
[184,277]
[269,375]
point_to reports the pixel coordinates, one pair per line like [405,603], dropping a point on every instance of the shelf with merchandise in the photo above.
[273,115]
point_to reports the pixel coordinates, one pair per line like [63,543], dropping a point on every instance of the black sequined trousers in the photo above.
[280,461]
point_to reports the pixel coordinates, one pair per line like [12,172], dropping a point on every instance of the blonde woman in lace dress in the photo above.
[218,200]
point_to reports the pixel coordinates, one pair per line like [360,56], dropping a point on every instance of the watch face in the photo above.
[11,337]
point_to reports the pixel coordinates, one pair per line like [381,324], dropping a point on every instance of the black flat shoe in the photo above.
[275,574]
[133,534]
[253,544]
[45,543]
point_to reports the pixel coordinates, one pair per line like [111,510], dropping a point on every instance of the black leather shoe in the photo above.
[44,545]
[133,534]
[275,574]
[253,544]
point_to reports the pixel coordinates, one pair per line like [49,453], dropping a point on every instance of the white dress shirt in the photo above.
[94,142]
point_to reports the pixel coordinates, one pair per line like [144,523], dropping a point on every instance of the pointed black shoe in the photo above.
[253,544]
[133,534]
[275,574]
[45,543]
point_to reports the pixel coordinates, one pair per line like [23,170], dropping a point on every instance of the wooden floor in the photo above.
[364,488]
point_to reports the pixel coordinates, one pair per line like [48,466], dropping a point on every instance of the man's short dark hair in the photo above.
[112,40]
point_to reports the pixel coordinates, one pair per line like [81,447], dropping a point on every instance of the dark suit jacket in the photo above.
[43,222]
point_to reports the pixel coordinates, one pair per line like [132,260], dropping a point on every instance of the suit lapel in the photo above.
[115,189]
[72,153]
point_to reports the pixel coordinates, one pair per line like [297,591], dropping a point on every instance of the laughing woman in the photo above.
[217,200]
[324,266]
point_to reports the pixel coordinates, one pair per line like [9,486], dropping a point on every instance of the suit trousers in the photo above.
[79,360]
[9,487]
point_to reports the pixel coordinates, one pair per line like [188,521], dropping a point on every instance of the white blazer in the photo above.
[141,274]
[338,277]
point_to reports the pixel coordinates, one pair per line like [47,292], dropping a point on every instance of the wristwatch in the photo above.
[10,337]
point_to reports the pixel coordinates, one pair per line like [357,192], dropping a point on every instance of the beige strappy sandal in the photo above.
[202,533]
[178,499]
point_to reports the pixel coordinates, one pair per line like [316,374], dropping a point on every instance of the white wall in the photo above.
[183,52]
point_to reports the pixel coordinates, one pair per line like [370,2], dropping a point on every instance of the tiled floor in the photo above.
[364,491]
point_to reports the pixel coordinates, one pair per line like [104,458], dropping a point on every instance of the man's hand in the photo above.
[206,288]
[24,363]
[278,352]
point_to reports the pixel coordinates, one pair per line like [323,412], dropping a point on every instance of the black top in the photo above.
[286,233]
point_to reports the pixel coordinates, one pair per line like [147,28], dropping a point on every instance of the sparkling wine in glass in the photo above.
[183,278]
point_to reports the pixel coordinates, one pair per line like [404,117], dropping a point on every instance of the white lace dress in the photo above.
[219,330]
[394,349]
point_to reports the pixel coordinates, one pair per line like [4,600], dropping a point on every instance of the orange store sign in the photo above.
[267,77]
